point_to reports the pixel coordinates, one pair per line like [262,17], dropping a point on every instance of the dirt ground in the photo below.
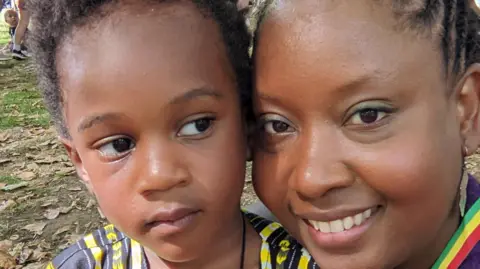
[43,206]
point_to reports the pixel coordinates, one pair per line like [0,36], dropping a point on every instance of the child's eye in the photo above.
[196,127]
[117,148]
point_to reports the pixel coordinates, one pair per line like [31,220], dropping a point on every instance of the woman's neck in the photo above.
[426,259]
[222,252]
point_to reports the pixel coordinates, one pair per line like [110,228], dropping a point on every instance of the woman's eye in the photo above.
[277,127]
[117,147]
[367,116]
[196,127]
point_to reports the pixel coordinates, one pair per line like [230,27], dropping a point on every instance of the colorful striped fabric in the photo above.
[108,248]
[463,241]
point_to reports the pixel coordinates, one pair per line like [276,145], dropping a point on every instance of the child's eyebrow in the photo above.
[90,121]
[195,93]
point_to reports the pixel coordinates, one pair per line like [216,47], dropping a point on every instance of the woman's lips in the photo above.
[344,231]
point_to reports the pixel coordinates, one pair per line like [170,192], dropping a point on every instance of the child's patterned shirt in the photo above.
[108,248]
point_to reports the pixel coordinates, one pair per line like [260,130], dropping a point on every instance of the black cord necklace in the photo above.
[242,254]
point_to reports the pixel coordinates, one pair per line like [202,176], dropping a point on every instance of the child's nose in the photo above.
[162,171]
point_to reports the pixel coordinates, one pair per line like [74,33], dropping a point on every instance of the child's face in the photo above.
[358,135]
[156,129]
[11,18]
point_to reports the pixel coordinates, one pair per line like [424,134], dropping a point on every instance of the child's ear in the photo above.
[468,104]
[77,162]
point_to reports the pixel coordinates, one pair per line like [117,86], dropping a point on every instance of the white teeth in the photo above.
[367,213]
[324,226]
[336,226]
[340,225]
[358,219]
[348,223]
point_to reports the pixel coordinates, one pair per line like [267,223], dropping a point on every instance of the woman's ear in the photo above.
[77,162]
[468,104]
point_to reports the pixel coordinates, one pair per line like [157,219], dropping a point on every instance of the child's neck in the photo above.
[224,252]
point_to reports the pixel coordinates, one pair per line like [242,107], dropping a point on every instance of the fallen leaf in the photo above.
[38,255]
[4,161]
[49,202]
[15,186]
[25,256]
[62,230]
[91,203]
[7,261]
[4,137]
[25,197]
[14,237]
[74,189]
[36,228]
[33,166]
[51,214]
[46,143]
[27,176]
[30,156]
[5,245]
[6,204]
[65,210]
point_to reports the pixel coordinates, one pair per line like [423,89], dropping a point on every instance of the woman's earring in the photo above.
[463,185]
[463,193]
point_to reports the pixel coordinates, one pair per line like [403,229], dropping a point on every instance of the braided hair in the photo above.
[54,21]
[455,23]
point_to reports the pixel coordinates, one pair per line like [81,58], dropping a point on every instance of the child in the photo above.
[162,147]
[21,29]
[367,111]
[11,19]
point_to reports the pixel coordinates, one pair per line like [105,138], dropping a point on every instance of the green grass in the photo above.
[10,180]
[22,108]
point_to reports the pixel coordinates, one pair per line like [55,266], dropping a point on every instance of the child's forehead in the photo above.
[10,12]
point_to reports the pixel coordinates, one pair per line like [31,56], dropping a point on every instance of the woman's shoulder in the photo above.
[103,248]
[279,248]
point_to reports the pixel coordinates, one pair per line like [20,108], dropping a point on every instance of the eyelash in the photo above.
[385,112]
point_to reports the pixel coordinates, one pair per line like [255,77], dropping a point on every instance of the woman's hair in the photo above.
[54,21]
[455,21]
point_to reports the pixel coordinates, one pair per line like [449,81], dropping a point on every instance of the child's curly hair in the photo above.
[54,21]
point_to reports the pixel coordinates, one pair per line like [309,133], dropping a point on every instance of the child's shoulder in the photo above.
[279,248]
[105,248]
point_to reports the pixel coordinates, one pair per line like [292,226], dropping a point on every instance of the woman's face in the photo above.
[359,150]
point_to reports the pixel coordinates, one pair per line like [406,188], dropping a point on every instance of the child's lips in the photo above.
[167,222]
